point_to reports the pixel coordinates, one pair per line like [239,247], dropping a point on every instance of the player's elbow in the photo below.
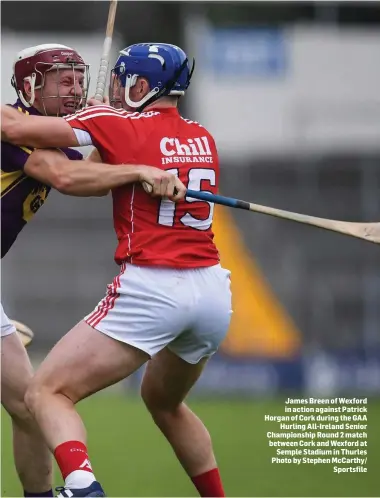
[51,168]
[63,185]
[61,172]
[63,182]
[54,172]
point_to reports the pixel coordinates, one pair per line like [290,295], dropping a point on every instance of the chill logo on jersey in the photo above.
[190,150]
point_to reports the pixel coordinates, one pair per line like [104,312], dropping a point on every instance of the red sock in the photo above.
[71,456]
[209,483]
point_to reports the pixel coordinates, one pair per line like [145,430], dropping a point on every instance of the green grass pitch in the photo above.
[131,458]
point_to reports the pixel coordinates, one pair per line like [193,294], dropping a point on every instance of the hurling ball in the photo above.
[25,333]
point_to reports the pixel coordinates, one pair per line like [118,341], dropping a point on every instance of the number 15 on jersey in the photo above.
[167,210]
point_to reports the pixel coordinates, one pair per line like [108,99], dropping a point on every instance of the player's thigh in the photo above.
[16,373]
[85,361]
[168,379]
[211,315]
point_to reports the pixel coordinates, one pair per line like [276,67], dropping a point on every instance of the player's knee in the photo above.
[33,396]
[17,409]
[160,407]
[152,399]
[19,412]
[165,416]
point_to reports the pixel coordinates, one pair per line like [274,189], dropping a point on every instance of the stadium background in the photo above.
[291,93]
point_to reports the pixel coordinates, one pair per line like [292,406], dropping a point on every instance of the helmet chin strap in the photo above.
[156,92]
[32,81]
[129,83]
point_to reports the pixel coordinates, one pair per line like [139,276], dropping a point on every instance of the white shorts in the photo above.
[150,308]
[7,326]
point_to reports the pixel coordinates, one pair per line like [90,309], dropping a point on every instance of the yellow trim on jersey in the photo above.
[10,180]
[25,149]
[260,326]
[24,111]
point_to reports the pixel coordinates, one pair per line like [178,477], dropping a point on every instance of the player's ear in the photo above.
[143,87]
[27,88]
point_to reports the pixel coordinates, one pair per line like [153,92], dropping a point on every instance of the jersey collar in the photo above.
[26,110]
[165,110]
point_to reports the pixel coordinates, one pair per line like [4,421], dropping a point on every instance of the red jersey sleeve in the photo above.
[108,128]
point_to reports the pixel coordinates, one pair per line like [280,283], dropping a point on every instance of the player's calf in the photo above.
[32,458]
[192,445]
[188,436]
[84,361]
[166,382]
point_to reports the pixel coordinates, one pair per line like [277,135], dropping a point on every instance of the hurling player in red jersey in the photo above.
[170,305]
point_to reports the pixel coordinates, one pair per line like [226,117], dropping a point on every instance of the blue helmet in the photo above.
[165,66]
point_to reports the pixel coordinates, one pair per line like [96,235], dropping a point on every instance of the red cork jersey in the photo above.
[153,231]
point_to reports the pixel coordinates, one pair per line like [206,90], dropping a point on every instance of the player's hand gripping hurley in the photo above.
[104,61]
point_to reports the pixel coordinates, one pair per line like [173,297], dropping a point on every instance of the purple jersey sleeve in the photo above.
[21,195]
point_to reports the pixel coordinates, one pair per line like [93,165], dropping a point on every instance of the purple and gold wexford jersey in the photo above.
[21,195]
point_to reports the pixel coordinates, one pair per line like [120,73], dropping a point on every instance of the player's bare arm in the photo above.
[89,178]
[36,131]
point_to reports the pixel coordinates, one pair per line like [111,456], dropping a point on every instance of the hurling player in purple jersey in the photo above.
[50,80]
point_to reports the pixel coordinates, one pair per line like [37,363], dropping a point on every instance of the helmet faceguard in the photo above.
[164,66]
[34,63]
